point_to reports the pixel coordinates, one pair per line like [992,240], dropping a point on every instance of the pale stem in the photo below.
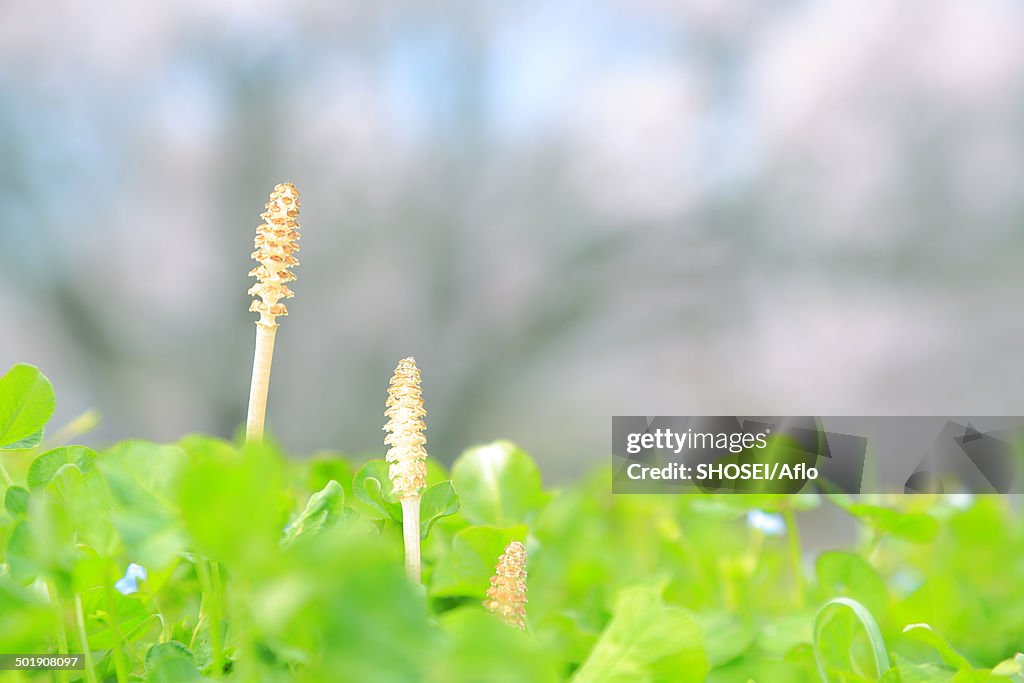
[83,637]
[82,424]
[411,534]
[62,634]
[260,381]
[795,553]
[120,667]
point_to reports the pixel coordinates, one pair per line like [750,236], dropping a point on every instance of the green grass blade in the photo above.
[881,656]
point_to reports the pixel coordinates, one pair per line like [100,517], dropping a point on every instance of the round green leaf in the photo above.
[372,487]
[16,501]
[228,502]
[171,663]
[26,404]
[498,484]
[44,467]
[439,500]
[647,640]
[323,511]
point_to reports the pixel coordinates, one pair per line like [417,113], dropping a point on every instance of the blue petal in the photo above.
[767,523]
[136,571]
[127,586]
[961,501]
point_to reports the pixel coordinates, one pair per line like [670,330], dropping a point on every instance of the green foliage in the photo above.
[171,662]
[850,575]
[26,619]
[26,404]
[925,634]
[480,648]
[1012,669]
[372,487]
[647,640]
[46,466]
[263,568]
[323,511]
[916,527]
[439,500]
[848,643]
[469,565]
[16,501]
[230,502]
[498,484]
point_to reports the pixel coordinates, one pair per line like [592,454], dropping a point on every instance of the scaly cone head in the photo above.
[507,595]
[405,438]
[276,243]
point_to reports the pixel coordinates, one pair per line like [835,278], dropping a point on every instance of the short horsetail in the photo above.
[407,455]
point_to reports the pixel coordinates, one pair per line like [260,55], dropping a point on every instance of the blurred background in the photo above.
[565,211]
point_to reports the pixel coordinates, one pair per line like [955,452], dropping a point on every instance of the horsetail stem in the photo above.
[407,455]
[276,244]
[507,595]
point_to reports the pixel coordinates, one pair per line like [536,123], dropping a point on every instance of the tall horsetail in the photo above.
[276,243]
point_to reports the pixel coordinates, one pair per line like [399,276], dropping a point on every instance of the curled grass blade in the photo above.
[879,653]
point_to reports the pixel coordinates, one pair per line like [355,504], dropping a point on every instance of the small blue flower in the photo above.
[767,523]
[129,583]
[906,581]
[961,501]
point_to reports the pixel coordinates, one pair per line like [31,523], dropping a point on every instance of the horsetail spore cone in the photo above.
[406,454]
[507,595]
[276,243]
